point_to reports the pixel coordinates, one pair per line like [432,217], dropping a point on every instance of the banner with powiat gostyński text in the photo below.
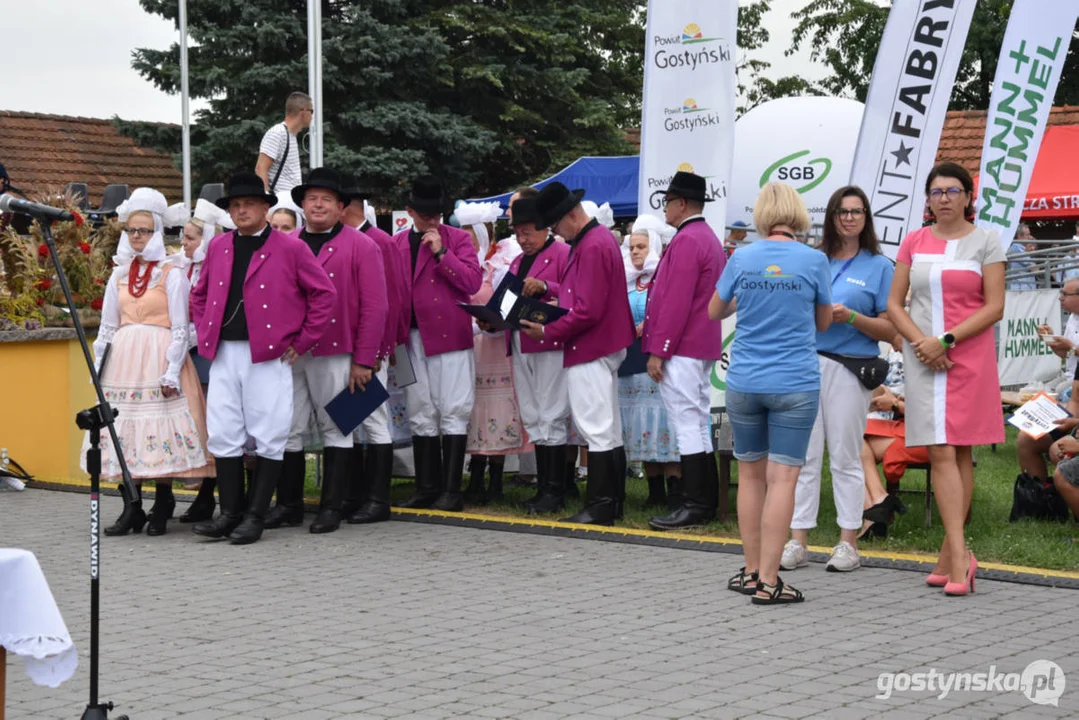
[904,111]
[687,118]
[1031,60]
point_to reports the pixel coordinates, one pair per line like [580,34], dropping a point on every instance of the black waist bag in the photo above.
[1036,499]
[871,372]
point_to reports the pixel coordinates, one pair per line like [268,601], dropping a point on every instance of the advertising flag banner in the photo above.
[908,95]
[687,119]
[1028,71]
[1022,355]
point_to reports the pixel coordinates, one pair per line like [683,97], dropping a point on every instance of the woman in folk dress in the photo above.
[148,377]
[955,273]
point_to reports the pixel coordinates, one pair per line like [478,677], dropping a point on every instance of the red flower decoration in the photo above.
[43,284]
[85,247]
[95,304]
[78,222]
[40,302]
[43,250]
[99,281]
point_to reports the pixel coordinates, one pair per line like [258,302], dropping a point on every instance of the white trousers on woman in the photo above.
[841,416]
[686,394]
[593,399]
[440,401]
[246,398]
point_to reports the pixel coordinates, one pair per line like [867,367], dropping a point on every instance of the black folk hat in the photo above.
[554,201]
[245,184]
[324,178]
[426,197]
[352,188]
[524,212]
[687,185]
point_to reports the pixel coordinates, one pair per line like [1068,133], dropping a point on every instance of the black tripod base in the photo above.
[100,712]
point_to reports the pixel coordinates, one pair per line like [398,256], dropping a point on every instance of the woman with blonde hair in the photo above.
[146,373]
[781,290]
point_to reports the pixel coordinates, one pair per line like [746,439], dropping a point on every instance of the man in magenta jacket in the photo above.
[262,300]
[683,344]
[594,335]
[443,270]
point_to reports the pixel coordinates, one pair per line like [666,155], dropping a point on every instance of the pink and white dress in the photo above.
[961,406]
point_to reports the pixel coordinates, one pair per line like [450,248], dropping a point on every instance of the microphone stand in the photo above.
[93,420]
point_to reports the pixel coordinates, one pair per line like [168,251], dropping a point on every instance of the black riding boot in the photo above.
[230,491]
[572,491]
[161,511]
[453,467]
[621,467]
[427,452]
[356,487]
[494,487]
[543,472]
[379,474]
[553,498]
[203,507]
[698,503]
[289,507]
[334,486]
[474,493]
[657,495]
[674,492]
[267,477]
[601,492]
[132,517]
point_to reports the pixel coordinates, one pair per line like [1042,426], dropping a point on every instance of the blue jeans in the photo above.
[772,425]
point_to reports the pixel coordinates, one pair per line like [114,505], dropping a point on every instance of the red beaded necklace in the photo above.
[136,283]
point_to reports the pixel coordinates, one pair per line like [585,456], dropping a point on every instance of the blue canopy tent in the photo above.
[604,179]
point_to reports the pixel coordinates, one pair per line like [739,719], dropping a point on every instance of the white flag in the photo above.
[1028,70]
[687,119]
[904,111]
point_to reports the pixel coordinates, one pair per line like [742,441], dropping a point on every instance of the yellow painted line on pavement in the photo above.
[641,533]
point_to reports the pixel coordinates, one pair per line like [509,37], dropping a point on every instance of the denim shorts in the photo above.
[772,425]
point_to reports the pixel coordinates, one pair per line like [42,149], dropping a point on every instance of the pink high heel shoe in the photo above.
[935,580]
[967,586]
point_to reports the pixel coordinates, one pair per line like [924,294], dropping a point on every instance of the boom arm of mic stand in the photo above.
[117,448]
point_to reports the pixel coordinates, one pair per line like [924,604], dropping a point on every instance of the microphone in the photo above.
[9,203]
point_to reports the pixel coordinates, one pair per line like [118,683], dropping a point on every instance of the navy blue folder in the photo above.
[349,409]
[636,361]
[525,308]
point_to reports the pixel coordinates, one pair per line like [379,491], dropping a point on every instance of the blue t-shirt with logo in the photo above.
[863,287]
[779,285]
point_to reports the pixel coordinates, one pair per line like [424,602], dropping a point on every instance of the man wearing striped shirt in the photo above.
[279,153]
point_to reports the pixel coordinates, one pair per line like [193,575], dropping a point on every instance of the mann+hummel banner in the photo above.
[904,111]
[1028,70]
[687,120]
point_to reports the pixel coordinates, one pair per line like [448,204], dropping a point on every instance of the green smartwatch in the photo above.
[947,340]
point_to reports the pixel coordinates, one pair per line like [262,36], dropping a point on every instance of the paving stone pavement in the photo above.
[424,621]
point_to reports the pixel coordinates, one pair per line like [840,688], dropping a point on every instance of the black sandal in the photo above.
[742,583]
[778,594]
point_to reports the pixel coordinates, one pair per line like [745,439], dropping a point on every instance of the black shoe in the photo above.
[162,509]
[379,474]
[267,477]
[453,467]
[289,507]
[132,517]
[334,486]
[230,490]
[475,494]
[357,486]
[427,453]
[553,498]
[697,507]
[674,493]
[203,507]
[602,490]
[657,493]
[543,473]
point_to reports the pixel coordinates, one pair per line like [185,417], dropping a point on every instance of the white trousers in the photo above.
[376,428]
[542,394]
[686,394]
[841,415]
[246,398]
[315,382]
[440,401]
[593,399]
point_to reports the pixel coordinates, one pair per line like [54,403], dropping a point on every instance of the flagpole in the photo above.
[314,79]
[185,100]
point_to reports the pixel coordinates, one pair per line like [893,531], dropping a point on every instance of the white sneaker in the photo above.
[794,556]
[844,558]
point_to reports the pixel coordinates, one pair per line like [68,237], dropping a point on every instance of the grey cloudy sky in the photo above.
[74,57]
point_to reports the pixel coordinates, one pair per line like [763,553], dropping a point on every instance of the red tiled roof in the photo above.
[964,132]
[43,151]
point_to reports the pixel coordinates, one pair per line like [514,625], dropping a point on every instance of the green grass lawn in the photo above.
[1038,544]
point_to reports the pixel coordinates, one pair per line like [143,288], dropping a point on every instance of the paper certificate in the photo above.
[1036,417]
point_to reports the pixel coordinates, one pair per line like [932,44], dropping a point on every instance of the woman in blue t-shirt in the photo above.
[781,290]
[860,278]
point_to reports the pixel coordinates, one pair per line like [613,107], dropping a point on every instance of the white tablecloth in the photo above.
[30,622]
